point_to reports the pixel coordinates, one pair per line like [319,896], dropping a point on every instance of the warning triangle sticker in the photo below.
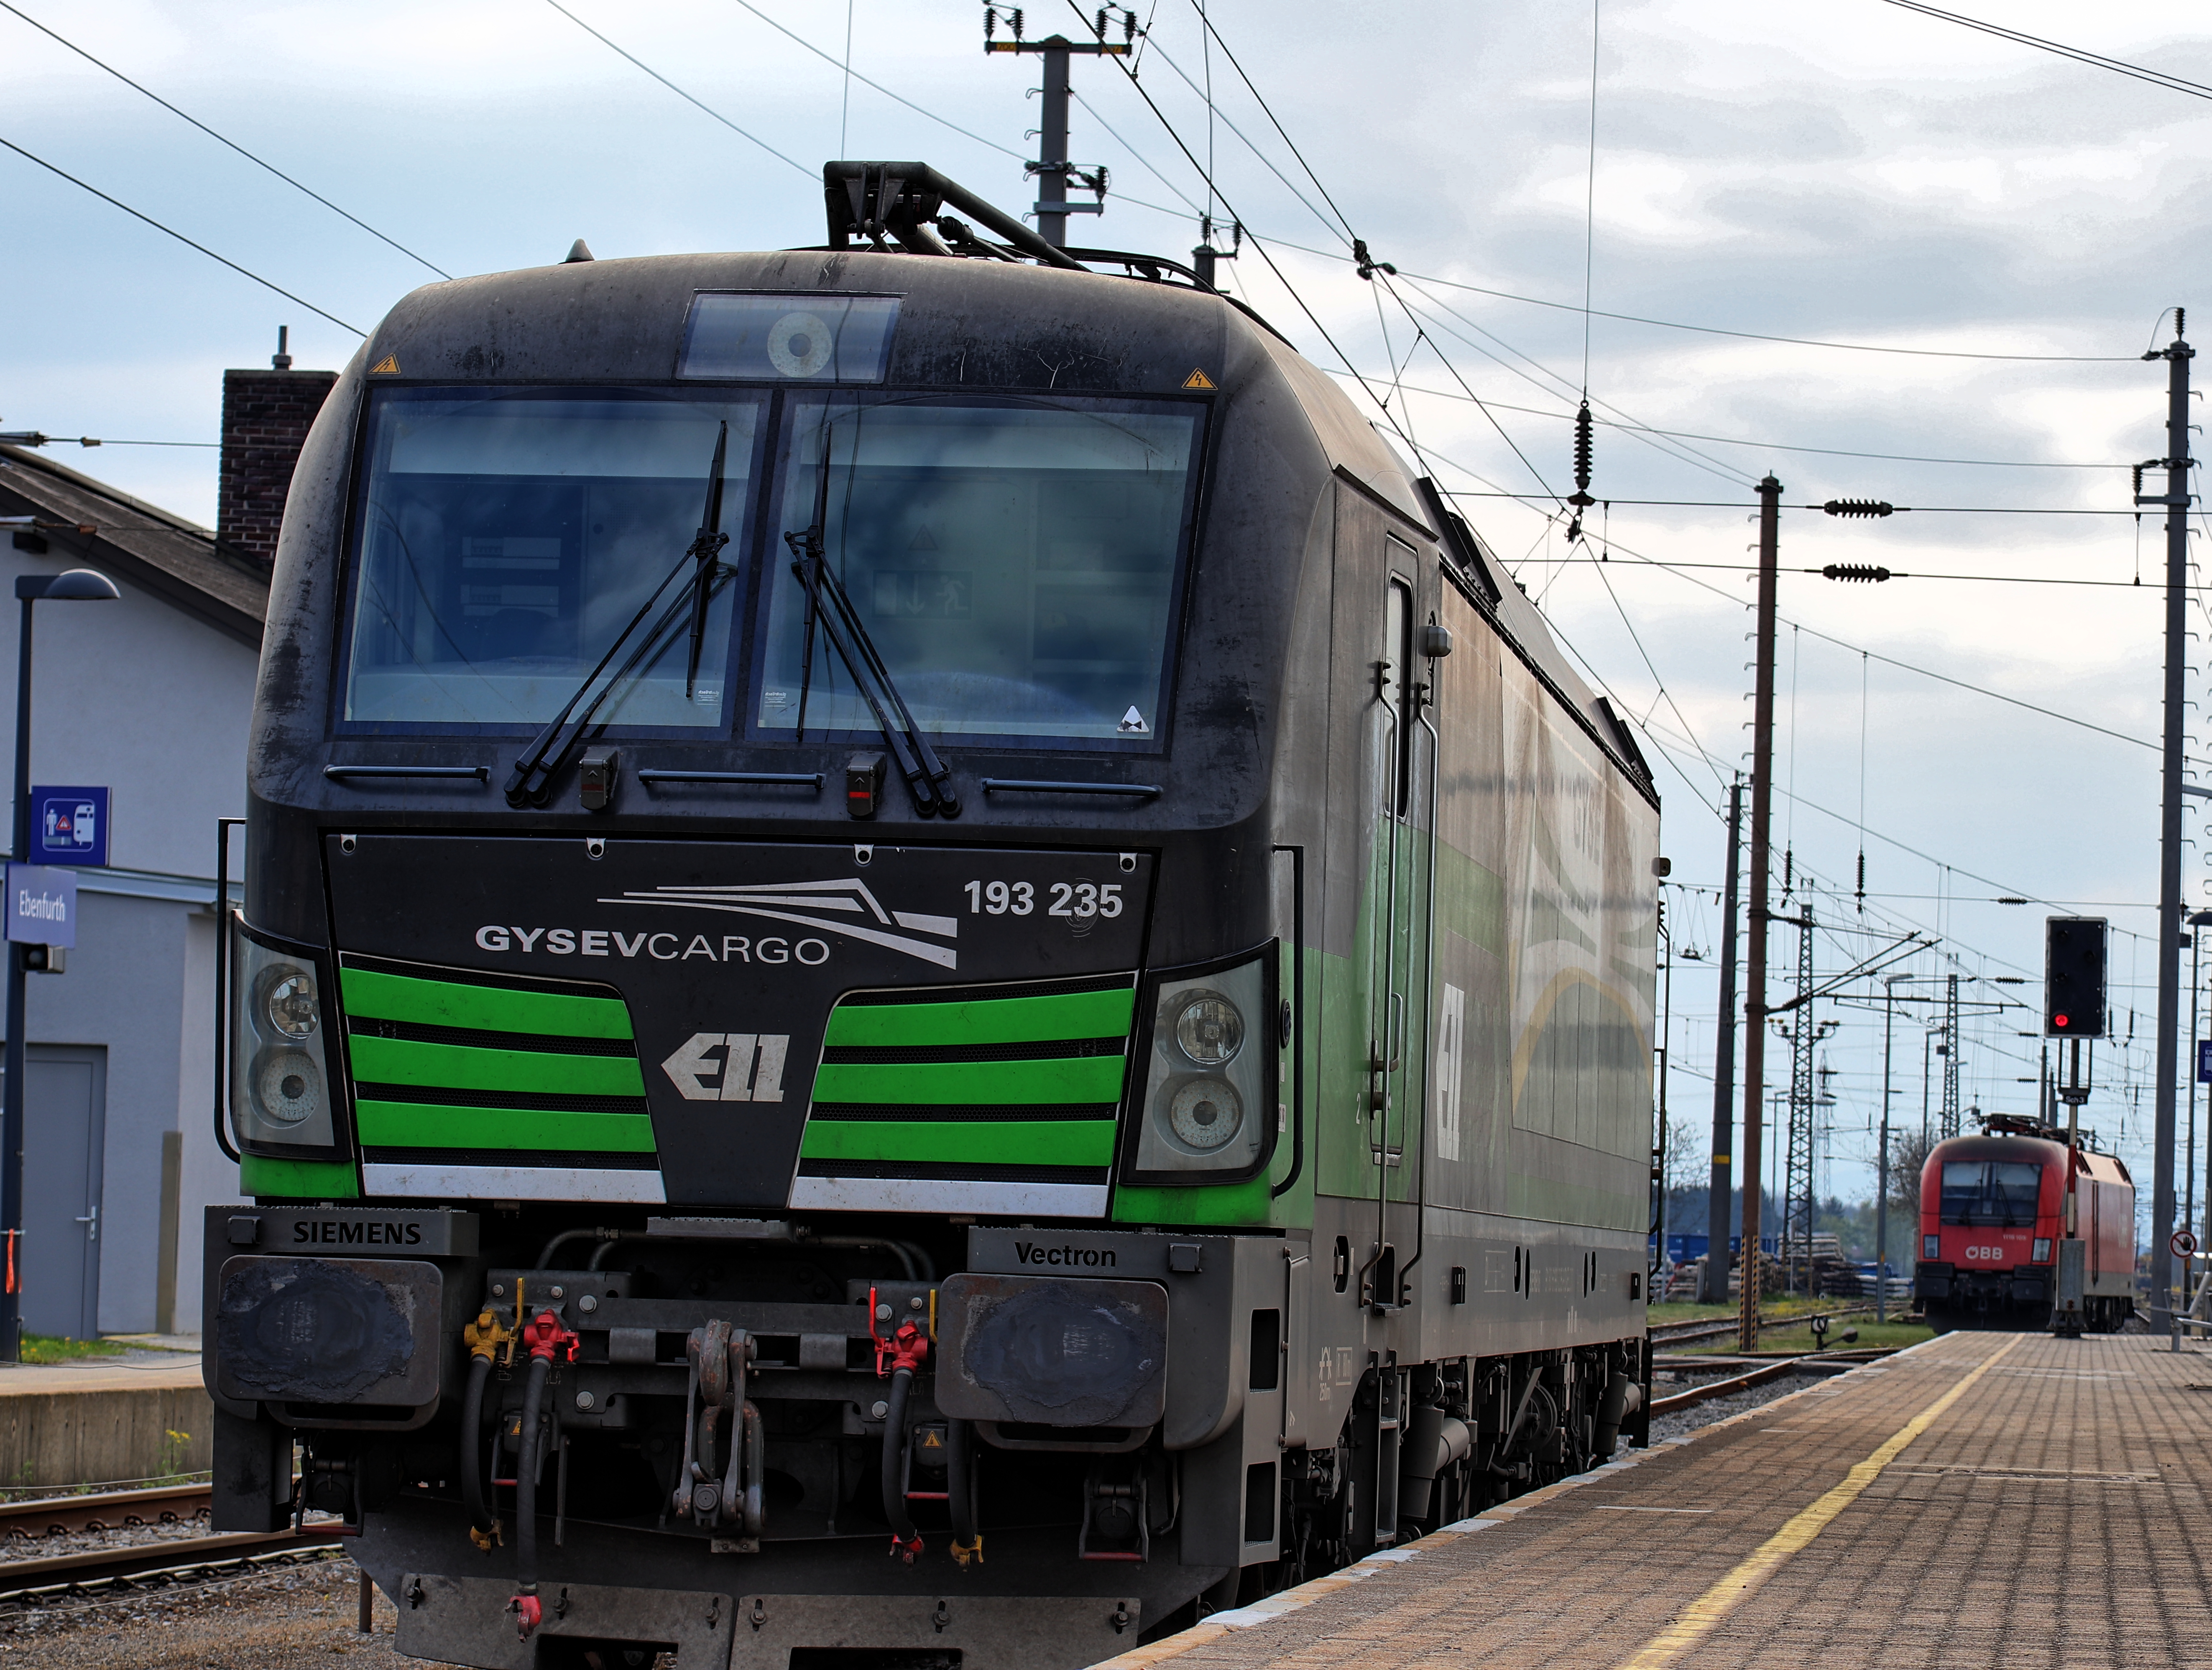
[389,367]
[1198,380]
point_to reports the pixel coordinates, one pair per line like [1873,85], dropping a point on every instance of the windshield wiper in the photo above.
[531,784]
[827,604]
[704,550]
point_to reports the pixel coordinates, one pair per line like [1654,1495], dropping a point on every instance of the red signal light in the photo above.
[2058,1020]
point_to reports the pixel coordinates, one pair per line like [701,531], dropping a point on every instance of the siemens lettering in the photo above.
[328,1232]
[661,947]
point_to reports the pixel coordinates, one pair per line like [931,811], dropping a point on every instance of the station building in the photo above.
[151,698]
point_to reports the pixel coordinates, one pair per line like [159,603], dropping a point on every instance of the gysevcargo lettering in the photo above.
[1090,1258]
[772,950]
[331,1232]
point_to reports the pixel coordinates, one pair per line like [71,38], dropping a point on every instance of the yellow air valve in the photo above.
[964,1552]
[486,1335]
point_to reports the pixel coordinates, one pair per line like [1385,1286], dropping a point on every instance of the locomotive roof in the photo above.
[964,325]
[2043,1149]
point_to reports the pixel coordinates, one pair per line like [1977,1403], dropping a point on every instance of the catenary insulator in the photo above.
[1859,507]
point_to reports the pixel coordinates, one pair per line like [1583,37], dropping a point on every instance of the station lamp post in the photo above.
[75,585]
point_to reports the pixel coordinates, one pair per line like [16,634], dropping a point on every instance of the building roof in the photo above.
[137,543]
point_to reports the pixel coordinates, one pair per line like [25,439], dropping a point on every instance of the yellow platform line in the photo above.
[1706,1612]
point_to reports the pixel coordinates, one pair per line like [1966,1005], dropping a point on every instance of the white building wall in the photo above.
[142,697]
[153,703]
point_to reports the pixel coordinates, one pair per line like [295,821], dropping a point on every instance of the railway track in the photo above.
[167,1560]
[1668,1333]
[104,1510]
[1822,1363]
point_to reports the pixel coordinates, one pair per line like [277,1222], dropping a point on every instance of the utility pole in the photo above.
[1794,1234]
[1052,168]
[1881,1162]
[1716,1210]
[2177,355]
[1762,807]
[1948,1122]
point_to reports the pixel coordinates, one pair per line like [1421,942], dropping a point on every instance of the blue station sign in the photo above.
[69,825]
[41,905]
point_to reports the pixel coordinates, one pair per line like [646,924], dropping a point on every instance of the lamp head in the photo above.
[80,586]
[72,585]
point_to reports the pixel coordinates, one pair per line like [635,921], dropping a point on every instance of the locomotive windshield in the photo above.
[1014,563]
[506,536]
[1990,1194]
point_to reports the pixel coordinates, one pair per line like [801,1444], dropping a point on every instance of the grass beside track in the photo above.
[1769,1310]
[44,1348]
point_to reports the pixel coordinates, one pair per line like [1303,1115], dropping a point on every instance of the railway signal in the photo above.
[2074,977]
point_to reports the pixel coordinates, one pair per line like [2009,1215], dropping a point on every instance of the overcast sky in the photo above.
[1848,173]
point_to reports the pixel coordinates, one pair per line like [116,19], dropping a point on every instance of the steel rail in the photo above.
[1809,1363]
[1669,1333]
[174,1560]
[104,1510]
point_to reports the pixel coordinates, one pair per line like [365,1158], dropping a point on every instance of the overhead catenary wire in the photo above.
[1892,661]
[1590,208]
[2095,60]
[1566,415]
[845,67]
[222,139]
[168,231]
[697,104]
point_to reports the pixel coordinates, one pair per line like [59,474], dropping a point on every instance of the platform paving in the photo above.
[1981,1500]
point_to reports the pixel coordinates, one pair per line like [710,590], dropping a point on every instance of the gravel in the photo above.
[280,1620]
[1685,1421]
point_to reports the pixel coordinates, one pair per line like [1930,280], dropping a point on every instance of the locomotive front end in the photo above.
[703,1147]
[929,967]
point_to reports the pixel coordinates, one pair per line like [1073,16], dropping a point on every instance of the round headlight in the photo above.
[286,1086]
[287,1000]
[1206,1113]
[1210,1030]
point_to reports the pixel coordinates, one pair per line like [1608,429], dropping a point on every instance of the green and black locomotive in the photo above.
[929,965]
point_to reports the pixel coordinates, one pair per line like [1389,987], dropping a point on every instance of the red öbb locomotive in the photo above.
[1992,1212]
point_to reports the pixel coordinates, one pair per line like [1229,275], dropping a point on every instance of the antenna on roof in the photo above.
[282,359]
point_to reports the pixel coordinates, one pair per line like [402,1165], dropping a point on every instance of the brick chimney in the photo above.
[266,418]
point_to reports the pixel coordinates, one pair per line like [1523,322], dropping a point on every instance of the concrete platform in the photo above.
[1980,1500]
[103,1420]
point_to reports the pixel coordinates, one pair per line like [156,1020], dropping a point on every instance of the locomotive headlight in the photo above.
[2042,1252]
[288,1087]
[1210,1030]
[1199,1116]
[280,1075]
[1204,1114]
[1930,1247]
[288,1001]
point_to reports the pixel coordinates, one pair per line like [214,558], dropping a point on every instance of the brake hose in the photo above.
[544,1336]
[483,1337]
[483,1528]
[906,1351]
[960,1491]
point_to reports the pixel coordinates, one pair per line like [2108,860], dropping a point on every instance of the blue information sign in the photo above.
[41,905]
[69,825]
